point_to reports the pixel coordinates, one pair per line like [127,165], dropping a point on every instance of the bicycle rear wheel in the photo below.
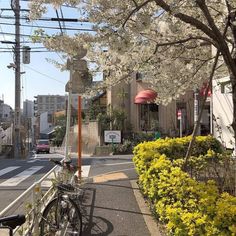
[61,217]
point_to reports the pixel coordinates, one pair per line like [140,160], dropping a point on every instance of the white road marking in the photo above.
[8,169]
[116,164]
[32,161]
[85,171]
[21,176]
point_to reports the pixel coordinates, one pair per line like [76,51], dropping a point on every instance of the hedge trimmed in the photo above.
[184,205]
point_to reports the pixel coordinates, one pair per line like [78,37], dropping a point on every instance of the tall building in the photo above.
[28,108]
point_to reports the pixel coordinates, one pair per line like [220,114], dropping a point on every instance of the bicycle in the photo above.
[62,216]
[9,223]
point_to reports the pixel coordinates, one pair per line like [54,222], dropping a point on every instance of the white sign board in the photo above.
[112,136]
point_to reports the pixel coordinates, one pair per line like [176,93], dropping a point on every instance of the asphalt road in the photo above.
[108,203]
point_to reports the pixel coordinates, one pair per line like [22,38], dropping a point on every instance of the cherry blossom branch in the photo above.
[134,11]
[181,41]
[202,5]
[188,19]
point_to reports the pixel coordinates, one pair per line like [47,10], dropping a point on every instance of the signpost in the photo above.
[112,136]
[179,117]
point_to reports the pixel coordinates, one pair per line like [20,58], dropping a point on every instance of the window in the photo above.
[149,117]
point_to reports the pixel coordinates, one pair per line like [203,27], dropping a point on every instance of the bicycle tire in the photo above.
[55,216]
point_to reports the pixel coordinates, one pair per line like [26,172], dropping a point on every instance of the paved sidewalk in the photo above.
[113,205]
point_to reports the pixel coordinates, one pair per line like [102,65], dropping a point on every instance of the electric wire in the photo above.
[49,27]
[47,76]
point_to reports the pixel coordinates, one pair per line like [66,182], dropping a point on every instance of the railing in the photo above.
[38,201]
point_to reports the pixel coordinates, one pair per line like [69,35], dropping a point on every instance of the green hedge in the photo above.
[186,206]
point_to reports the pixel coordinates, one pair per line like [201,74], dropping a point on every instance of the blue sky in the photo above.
[40,77]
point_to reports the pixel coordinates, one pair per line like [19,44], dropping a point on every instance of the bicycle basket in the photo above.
[69,189]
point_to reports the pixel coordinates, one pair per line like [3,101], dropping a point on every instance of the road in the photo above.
[18,175]
[108,203]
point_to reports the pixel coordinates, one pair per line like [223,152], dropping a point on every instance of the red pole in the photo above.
[79,137]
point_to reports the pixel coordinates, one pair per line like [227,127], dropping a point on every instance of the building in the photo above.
[146,116]
[223,112]
[28,108]
[6,112]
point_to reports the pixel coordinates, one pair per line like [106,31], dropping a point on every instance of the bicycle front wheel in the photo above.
[61,217]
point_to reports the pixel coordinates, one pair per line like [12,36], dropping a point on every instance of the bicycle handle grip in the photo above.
[56,162]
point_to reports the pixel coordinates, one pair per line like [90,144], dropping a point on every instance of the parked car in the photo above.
[43,146]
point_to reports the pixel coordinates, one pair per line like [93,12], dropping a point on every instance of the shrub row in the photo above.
[184,205]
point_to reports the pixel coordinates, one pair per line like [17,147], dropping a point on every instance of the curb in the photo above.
[147,215]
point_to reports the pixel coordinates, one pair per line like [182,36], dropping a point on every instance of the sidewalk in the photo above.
[113,205]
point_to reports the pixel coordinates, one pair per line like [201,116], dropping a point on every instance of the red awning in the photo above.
[145,96]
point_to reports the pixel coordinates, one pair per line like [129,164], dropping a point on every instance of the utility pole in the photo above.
[15,5]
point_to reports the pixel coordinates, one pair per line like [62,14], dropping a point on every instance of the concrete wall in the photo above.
[90,138]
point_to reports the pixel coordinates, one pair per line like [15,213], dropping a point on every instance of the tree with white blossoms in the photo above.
[169,41]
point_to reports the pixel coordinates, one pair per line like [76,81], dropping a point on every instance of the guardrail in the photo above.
[38,201]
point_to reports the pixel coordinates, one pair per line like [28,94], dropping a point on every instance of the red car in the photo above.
[43,146]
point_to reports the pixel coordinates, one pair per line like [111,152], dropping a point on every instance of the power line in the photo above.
[48,19]
[7,51]
[49,27]
[21,35]
[59,22]
[44,75]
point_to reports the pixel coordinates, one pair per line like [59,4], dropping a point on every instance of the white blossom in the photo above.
[136,35]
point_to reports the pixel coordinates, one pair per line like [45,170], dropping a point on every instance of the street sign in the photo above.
[179,114]
[112,136]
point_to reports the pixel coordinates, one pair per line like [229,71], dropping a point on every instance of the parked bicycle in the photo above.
[62,215]
[9,223]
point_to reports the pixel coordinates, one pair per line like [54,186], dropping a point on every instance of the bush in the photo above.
[186,206]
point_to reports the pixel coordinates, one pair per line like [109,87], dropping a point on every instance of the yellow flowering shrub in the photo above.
[186,206]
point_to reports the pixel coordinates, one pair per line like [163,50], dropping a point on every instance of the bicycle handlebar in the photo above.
[12,221]
[56,162]
[65,164]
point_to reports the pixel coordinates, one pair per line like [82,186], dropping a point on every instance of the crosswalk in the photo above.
[18,175]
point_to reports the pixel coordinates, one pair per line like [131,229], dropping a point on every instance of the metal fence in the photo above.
[36,198]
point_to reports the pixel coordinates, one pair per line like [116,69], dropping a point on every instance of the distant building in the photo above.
[50,103]
[28,108]
[6,112]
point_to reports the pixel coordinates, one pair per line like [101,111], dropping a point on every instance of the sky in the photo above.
[39,77]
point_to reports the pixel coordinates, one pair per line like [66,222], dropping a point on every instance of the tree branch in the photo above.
[134,11]
[188,19]
[181,41]
[202,5]
[201,111]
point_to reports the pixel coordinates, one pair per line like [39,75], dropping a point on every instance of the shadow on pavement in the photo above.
[93,225]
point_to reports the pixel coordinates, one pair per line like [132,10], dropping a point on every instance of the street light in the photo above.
[11,65]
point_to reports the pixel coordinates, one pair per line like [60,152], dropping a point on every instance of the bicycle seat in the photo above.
[13,221]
